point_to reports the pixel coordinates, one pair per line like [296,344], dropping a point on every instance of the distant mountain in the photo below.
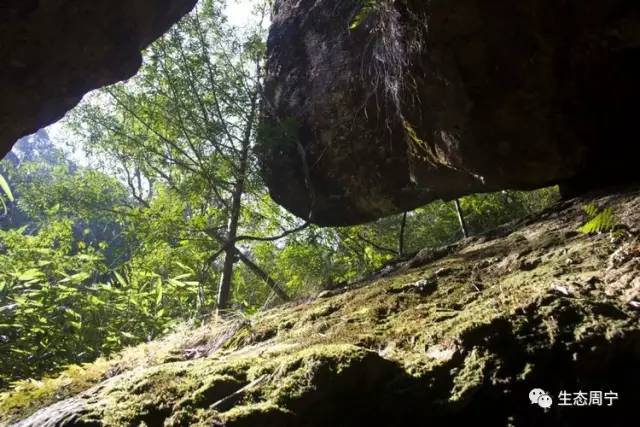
[36,146]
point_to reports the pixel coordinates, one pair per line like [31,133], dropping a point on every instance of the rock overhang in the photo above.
[374,108]
[55,51]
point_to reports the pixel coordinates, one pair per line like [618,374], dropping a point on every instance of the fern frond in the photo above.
[591,210]
[368,6]
[598,221]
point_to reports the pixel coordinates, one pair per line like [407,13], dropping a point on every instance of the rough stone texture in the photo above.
[498,94]
[52,52]
[456,337]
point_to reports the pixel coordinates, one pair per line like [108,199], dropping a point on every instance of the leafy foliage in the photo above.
[598,221]
[182,135]
[54,309]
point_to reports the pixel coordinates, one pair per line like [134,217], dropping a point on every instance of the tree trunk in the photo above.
[403,226]
[463,224]
[275,286]
[224,290]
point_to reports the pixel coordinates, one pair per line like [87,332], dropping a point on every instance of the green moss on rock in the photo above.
[459,338]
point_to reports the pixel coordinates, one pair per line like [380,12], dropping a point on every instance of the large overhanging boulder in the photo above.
[52,52]
[374,107]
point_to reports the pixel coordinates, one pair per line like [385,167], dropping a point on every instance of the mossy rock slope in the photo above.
[456,335]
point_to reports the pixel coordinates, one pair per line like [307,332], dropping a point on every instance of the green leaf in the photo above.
[121,279]
[177,283]
[77,278]
[62,287]
[96,301]
[4,185]
[31,274]
[76,325]
[128,335]
[184,267]
[73,313]
[159,292]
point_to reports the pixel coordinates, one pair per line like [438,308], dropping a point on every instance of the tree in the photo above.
[461,220]
[70,289]
[187,123]
[403,227]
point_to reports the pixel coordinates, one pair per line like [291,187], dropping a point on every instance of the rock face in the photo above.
[55,51]
[378,106]
[455,337]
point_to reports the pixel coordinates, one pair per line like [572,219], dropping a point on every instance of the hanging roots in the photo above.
[396,36]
